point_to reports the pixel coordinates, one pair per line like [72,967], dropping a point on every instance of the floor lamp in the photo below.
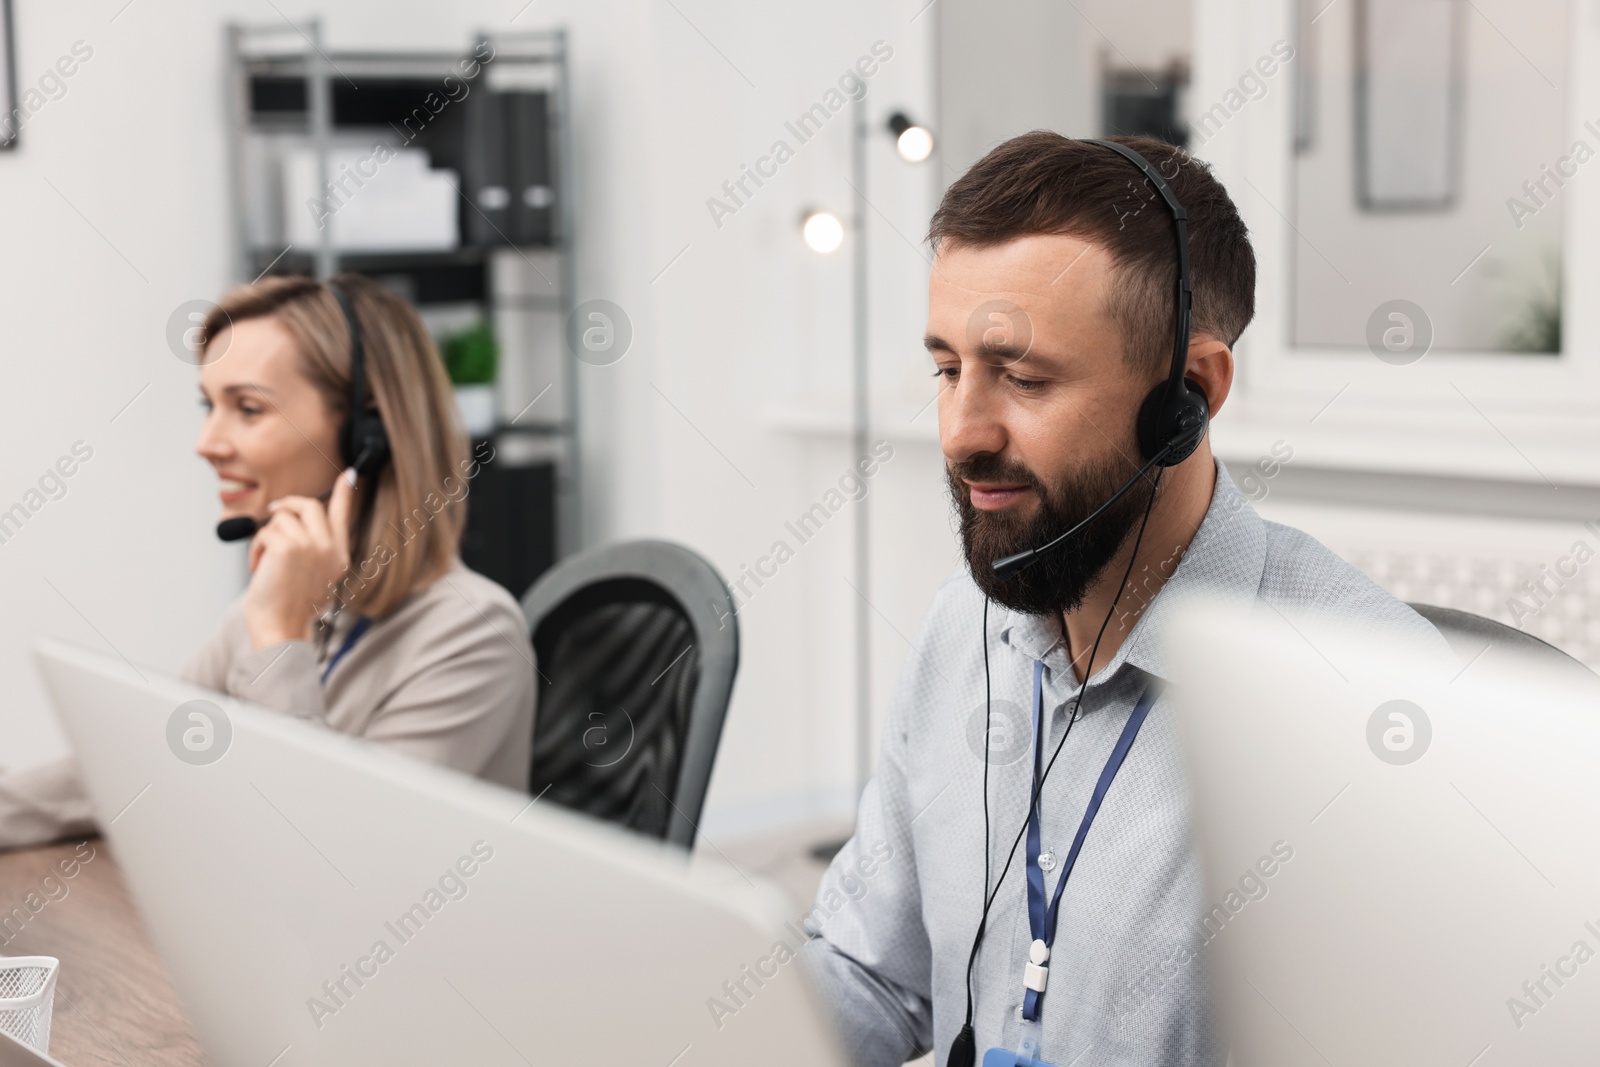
[823,234]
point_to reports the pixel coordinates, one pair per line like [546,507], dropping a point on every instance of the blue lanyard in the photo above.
[350,640]
[1042,920]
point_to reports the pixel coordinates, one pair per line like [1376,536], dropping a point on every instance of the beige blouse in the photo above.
[447,677]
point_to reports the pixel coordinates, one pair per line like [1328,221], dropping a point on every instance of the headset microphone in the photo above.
[363,440]
[1173,419]
[237,528]
[1020,561]
[240,527]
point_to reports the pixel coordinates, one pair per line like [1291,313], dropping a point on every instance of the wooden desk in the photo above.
[115,1005]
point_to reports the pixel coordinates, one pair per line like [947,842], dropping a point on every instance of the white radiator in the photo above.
[1474,563]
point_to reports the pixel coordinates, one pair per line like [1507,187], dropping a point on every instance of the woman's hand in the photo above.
[296,561]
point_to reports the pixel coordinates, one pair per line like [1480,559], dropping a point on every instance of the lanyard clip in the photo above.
[1036,974]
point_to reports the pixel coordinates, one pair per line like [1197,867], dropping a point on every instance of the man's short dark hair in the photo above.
[1044,183]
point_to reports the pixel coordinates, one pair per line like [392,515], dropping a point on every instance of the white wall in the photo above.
[115,215]
[747,326]
[996,82]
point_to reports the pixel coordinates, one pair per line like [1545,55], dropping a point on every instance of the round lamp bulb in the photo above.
[914,144]
[823,232]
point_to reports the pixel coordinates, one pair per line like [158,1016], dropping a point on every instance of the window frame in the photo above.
[1512,415]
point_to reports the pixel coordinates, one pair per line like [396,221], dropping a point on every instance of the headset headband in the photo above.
[1180,226]
[358,370]
[364,441]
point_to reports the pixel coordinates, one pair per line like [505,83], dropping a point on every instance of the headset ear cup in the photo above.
[1151,426]
[365,442]
[1182,421]
[380,445]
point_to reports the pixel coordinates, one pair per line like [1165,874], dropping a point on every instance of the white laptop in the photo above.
[14,1053]
[1402,867]
[319,901]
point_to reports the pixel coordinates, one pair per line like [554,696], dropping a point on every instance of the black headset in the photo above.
[1173,419]
[363,440]
[1171,423]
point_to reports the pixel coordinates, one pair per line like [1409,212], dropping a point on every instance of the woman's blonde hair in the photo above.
[405,531]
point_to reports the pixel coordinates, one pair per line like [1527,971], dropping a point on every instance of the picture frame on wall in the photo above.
[8,79]
[1408,103]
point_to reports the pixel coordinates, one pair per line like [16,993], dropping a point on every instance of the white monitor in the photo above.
[1401,862]
[320,901]
[14,1053]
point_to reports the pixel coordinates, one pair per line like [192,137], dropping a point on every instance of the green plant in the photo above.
[472,355]
[1536,326]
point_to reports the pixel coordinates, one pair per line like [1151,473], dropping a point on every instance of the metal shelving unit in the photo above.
[288,92]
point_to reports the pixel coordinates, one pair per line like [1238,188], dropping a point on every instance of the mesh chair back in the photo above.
[637,647]
[1471,636]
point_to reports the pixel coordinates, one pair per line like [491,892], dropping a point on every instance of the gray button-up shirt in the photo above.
[898,908]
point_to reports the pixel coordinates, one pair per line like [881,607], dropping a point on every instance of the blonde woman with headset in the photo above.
[332,430]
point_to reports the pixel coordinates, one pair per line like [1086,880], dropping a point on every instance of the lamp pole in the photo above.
[823,234]
[860,425]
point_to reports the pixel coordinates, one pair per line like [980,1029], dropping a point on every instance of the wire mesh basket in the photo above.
[27,992]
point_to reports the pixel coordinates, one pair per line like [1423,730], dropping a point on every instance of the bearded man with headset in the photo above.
[1043,901]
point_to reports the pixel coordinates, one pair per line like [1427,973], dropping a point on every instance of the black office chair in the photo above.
[1469,635]
[637,646]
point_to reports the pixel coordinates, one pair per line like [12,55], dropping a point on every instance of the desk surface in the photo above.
[115,1005]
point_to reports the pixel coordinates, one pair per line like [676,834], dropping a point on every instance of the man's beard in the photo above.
[1060,578]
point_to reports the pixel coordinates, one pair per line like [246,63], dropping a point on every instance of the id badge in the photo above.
[1005,1057]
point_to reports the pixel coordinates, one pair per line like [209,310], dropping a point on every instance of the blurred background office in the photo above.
[672,252]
